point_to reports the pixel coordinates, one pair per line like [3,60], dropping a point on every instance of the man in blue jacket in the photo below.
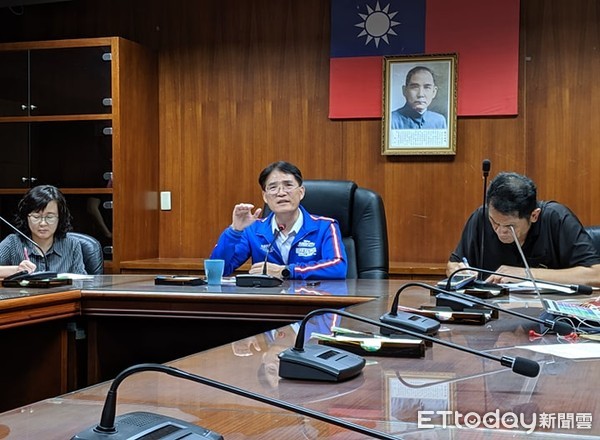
[306,246]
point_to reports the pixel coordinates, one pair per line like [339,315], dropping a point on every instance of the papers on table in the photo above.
[528,287]
[586,350]
[75,276]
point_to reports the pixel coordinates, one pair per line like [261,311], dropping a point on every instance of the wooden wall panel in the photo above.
[563,103]
[243,83]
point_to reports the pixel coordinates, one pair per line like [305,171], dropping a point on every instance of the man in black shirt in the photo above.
[555,244]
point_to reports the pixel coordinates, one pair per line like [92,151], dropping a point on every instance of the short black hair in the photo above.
[36,199]
[416,69]
[284,167]
[511,193]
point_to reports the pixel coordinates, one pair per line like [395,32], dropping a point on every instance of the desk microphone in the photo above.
[321,362]
[559,327]
[525,263]
[24,275]
[264,279]
[142,425]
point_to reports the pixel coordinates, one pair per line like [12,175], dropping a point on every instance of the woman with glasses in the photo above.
[42,215]
[295,244]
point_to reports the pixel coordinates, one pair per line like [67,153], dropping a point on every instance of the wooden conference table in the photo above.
[388,395]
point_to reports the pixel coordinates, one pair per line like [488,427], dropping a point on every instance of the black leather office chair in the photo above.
[361,217]
[594,232]
[93,259]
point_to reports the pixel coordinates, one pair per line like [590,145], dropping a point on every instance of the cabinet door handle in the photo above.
[24,179]
[33,107]
[24,107]
[33,179]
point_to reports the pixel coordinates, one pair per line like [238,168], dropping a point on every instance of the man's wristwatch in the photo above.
[285,273]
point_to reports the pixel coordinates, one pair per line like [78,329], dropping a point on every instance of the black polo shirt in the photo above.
[557,240]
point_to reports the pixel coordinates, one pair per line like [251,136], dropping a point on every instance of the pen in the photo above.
[26,253]
[465,261]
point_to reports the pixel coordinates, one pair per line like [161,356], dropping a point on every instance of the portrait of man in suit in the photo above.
[419,105]
[419,91]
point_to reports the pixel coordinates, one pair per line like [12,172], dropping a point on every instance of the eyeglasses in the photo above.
[50,219]
[287,187]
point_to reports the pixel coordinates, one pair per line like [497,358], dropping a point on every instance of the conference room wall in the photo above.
[243,83]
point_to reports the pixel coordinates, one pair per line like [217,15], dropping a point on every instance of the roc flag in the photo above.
[484,34]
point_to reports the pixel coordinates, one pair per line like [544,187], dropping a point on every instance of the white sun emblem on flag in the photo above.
[377,24]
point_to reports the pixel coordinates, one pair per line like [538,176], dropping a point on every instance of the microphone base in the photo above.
[24,275]
[145,424]
[319,362]
[480,284]
[260,280]
[409,321]
[456,304]
[37,284]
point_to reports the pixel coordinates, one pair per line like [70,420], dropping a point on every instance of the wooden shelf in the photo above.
[134,148]
[57,118]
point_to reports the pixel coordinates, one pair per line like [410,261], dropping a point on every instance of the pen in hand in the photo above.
[26,253]
[466,263]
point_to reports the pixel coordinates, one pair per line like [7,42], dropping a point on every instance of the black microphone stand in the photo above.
[519,365]
[486,165]
[263,279]
[559,327]
[106,429]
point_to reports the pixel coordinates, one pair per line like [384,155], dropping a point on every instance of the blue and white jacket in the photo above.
[317,250]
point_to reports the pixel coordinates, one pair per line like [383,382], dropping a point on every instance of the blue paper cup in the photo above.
[214,271]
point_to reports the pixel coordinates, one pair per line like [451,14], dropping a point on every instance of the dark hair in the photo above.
[416,69]
[36,199]
[284,167]
[511,193]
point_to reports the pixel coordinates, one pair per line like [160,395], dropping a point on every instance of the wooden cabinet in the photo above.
[83,115]
[56,81]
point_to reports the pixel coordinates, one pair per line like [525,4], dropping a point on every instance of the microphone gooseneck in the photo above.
[280,229]
[519,365]
[14,228]
[262,279]
[107,421]
[525,263]
[486,165]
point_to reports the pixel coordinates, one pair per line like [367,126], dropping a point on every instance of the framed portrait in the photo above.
[419,105]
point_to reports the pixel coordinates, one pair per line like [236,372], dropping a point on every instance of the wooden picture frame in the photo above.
[419,118]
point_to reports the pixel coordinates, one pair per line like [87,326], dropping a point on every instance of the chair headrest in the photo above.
[93,258]
[331,198]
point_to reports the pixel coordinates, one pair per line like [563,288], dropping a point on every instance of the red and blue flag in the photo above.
[484,34]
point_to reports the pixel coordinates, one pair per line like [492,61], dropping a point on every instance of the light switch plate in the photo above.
[165,200]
